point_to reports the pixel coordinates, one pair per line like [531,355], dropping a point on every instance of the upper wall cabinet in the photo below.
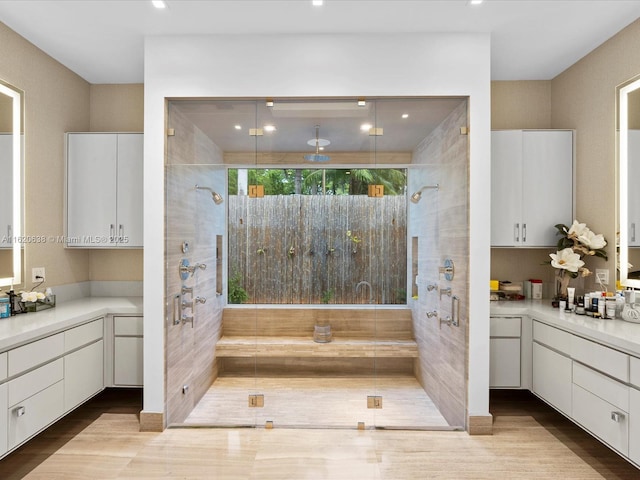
[531,186]
[104,190]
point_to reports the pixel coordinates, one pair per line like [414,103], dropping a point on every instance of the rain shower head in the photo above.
[415,198]
[318,142]
[217,198]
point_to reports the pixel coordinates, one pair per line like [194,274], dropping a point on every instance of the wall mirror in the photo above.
[628,181]
[11,166]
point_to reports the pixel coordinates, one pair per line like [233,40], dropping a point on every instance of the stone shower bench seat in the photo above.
[263,346]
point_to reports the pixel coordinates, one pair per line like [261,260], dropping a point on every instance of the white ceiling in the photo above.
[103,40]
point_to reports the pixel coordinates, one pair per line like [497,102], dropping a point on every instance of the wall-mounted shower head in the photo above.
[415,198]
[217,198]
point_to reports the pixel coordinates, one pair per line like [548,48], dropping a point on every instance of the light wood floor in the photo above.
[319,401]
[100,441]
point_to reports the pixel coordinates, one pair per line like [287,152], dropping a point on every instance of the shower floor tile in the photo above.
[324,402]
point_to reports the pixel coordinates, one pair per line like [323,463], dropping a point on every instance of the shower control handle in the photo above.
[432,313]
[200,300]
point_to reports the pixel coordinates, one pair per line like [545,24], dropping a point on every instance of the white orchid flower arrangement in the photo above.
[577,242]
[32,296]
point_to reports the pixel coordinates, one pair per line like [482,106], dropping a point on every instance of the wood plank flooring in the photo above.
[100,441]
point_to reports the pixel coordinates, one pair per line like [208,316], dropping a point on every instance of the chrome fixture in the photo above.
[415,198]
[359,285]
[186,269]
[432,313]
[200,300]
[455,310]
[448,269]
[431,287]
[445,291]
[187,290]
[187,319]
[318,142]
[217,198]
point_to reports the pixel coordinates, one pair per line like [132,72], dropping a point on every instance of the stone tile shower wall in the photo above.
[191,216]
[441,223]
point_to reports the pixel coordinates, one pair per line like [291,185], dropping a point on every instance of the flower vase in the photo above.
[562,283]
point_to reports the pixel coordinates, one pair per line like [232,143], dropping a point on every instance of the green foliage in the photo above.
[327,295]
[235,292]
[345,181]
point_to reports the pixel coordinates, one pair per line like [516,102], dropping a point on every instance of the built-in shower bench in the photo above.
[280,340]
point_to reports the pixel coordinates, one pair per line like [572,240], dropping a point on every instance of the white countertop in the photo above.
[26,327]
[624,336]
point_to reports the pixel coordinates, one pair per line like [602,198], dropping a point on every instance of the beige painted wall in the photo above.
[116,108]
[580,98]
[56,101]
[583,98]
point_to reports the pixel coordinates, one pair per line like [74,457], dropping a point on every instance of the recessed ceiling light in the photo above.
[159,3]
[270,128]
[405,115]
[317,3]
[475,2]
[365,127]
[238,127]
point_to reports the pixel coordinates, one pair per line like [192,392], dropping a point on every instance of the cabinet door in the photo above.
[506,188]
[633,204]
[634,426]
[552,377]
[83,374]
[91,189]
[504,364]
[547,187]
[127,361]
[129,185]
[3,419]
[6,212]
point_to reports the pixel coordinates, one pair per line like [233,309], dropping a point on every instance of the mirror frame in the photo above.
[17,97]
[623,190]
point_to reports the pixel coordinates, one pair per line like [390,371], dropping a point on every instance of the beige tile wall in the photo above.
[192,217]
[440,221]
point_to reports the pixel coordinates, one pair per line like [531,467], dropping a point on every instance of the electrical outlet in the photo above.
[602,274]
[37,275]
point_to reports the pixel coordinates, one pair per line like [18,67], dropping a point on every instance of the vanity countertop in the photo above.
[27,327]
[624,336]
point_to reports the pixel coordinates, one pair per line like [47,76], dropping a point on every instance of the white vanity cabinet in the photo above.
[104,190]
[43,379]
[127,351]
[634,410]
[596,386]
[505,352]
[552,366]
[531,186]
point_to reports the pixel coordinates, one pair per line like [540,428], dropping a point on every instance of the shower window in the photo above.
[312,234]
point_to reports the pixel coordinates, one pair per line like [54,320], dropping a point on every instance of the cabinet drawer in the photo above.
[634,426]
[127,361]
[596,415]
[129,326]
[31,383]
[552,377]
[3,366]
[601,358]
[616,393]
[552,337]
[504,362]
[35,353]
[33,414]
[83,374]
[634,371]
[82,335]
[505,326]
